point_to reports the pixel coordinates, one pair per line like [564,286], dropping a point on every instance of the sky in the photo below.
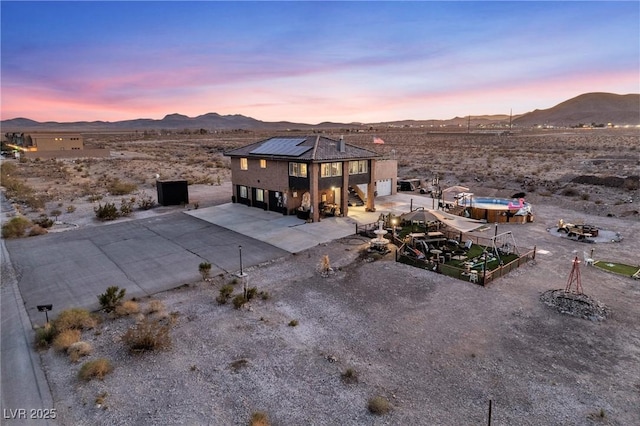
[310,62]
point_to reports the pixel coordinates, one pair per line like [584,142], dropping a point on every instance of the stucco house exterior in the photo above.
[308,176]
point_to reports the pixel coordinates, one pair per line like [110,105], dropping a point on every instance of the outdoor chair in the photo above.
[587,259]
[473,277]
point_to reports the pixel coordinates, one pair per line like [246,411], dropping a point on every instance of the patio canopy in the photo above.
[459,223]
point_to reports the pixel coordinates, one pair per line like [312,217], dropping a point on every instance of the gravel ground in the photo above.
[437,348]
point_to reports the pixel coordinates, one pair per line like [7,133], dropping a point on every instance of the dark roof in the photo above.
[310,148]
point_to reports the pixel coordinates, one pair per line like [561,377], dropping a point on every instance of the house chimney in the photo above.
[341,146]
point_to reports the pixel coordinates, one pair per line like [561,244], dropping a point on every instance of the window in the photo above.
[330,169]
[244,193]
[298,169]
[263,164]
[244,164]
[260,195]
[358,167]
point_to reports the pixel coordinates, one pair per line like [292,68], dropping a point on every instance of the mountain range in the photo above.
[588,108]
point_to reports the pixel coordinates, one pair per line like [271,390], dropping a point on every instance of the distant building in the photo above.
[308,176]
[51,145]
[32,142]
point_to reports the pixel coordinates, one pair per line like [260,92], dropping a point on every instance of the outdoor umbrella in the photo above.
[419,215]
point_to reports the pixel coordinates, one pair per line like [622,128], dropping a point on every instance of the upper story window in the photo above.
[358,167]
[298,169]
[263,164]
[244,164]
[330,169]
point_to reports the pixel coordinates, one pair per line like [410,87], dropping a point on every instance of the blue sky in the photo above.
[311,61]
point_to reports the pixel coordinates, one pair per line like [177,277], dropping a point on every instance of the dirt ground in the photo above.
[437,348]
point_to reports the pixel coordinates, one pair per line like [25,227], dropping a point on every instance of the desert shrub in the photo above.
[94,197]
[585,196]
[16,227]
[325,264]
[349,376]
[128,307]
[37,230]
[378,405]
[293,323]
[44,336]
[569,192]
[239,301]
[96,369]
[79,349]
[155,306]
[35,202]
[205,270]
[117,187]
[252,293]
[225,294]
[145,202]
[126,206]
[148,335]
[75,318]
[264,295]
[66,338]
[71,208]
[259,418]
[111,298]
[43,221]
[107,212]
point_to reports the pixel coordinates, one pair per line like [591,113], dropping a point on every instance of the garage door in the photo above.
[383,187]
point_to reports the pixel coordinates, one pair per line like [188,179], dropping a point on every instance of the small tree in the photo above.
[111,298]
[55,214]
[205,270]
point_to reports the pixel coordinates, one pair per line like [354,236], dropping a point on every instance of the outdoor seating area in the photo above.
[424,241]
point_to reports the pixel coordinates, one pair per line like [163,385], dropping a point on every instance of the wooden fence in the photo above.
[483,278]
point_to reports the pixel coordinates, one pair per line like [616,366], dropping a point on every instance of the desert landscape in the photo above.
[320,348]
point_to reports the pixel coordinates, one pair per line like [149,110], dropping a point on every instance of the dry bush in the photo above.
[259,418]
[378,405]
[65,339]
[148,335]
[116,187]
[16,227]
[155,306]
[96,369]
[44,336]
[128,307]
[79,349]
[37,230]
[74,318]
[349,376]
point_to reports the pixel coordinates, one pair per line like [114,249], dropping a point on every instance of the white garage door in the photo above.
[383,187]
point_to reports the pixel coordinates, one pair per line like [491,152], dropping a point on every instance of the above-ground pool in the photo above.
[498,210]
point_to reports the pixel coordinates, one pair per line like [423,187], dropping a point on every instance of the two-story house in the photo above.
[308,176]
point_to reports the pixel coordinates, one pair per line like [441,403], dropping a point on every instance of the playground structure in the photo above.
[579,232]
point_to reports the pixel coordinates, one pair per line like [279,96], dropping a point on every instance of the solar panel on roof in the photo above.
[282,146]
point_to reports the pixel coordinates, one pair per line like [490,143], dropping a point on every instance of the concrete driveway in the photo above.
[146,256]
